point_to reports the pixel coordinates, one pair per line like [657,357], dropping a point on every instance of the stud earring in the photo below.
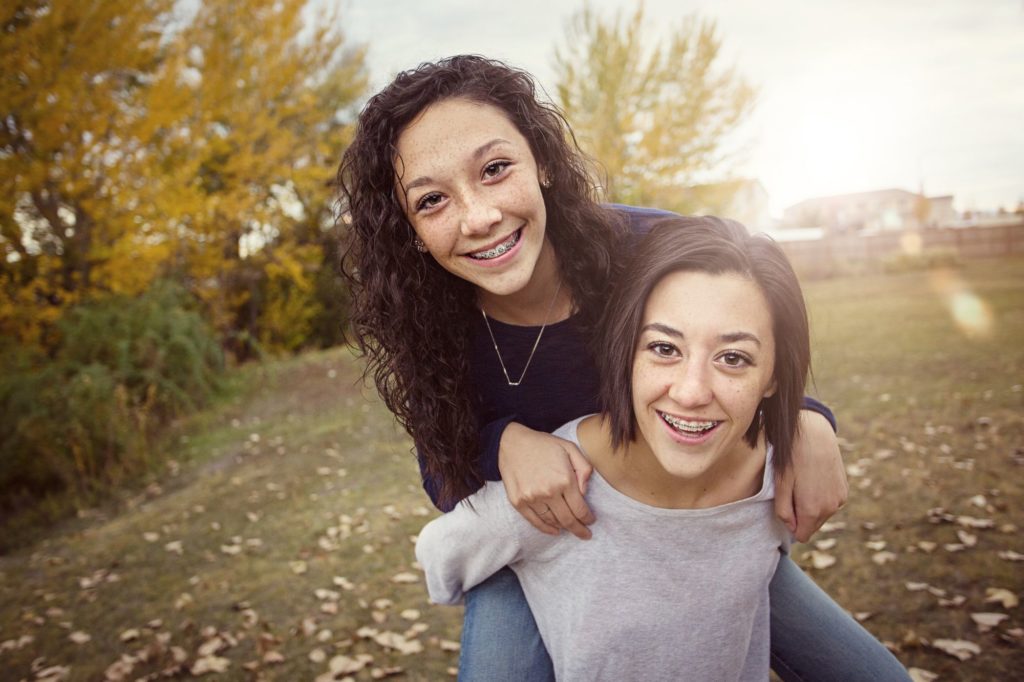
[545,182]
[420,246]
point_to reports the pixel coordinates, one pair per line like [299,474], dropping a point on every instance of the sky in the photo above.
[852,95]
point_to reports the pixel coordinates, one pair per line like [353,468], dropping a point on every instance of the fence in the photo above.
[835,253]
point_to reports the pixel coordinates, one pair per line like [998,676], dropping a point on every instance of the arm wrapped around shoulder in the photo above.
[461,549]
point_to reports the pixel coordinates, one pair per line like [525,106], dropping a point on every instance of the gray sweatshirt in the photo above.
[655,594]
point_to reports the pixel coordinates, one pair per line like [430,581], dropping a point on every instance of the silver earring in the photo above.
[545,182]
[420,246]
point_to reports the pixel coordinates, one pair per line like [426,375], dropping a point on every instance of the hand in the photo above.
[814,486]
[545,478]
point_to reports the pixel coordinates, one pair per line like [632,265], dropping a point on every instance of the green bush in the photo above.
[82,419]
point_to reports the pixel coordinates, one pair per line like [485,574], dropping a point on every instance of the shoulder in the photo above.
[641,219]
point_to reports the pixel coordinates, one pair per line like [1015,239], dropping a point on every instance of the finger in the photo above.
[807,525]
[581,466]
[567,520]
[537,522]
[578,506]
[784,503]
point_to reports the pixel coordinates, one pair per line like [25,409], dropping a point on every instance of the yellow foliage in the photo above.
[145,143]
[653,113]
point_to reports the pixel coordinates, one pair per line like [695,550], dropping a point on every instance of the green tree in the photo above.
[653,113]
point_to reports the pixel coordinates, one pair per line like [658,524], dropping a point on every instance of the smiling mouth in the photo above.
[499,250]
[686,427]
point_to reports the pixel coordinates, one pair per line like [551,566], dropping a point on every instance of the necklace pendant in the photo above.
[536,342]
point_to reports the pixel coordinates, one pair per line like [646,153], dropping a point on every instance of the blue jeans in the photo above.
[812,637]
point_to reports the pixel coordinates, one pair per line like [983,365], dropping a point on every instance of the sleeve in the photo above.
[490,439]
[822,409]
[461,549]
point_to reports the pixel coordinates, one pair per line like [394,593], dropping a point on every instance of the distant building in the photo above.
[745,200]
[869,212]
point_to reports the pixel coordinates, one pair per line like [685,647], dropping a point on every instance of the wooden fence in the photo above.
[836,253]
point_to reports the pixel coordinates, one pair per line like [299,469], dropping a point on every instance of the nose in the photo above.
[691,387]
[479,217]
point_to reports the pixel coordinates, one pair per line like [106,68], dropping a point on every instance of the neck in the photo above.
[634,471]
[536,303]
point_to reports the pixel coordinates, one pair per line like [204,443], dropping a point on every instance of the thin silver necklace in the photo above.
[536,343]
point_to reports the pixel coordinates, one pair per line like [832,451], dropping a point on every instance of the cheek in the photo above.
[744,396]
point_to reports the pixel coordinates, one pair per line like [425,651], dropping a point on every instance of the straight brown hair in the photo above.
[713,246]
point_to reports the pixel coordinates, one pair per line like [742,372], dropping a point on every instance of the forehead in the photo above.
[698,302]
[450,130]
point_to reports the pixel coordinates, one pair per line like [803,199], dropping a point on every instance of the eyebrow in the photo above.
[731,337]
[475,156]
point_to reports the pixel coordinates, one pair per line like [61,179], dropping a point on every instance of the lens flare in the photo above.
[970,313]
[911,243]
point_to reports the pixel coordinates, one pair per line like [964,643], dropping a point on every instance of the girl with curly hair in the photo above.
[478,262]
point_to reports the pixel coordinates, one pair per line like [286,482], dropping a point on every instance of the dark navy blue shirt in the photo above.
[560,384]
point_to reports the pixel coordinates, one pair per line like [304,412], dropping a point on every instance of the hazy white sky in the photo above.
[853,95]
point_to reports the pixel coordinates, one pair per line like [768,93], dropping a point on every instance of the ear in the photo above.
[772,388]
[544,177]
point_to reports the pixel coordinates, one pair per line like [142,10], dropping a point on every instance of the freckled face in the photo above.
[704,361]
[470,188]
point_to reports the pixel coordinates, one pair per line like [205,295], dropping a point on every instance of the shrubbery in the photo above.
[81,418]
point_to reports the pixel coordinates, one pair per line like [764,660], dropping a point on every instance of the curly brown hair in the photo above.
[410,318]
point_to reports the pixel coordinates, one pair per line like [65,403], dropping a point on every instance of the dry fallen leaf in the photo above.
[958,600]
[317,655]
[882,558]
[920,675]
[209,664]
[393,640]
[406,578]
[272,657]
[340,665]
[298,567]
[926,546]
[875,545]
[79,637]
[174,546]
[916,587]
[825,544]
[410,614]
[448,645]
[998,595]
[987,621]
[119,670]
[958,648]
[968,539]
[820,560]
[1010,555]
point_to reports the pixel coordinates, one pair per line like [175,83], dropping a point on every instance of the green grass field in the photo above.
[277,544]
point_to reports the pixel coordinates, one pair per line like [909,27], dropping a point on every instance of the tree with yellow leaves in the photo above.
[139,142]
[653,114]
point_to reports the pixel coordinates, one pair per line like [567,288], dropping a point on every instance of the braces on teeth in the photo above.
[497,250]
[687,426]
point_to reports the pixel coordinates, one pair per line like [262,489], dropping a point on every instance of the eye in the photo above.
[735,359]
[663,349]
[429,201]
[495,169]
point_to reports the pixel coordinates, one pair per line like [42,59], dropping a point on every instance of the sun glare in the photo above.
[971,315]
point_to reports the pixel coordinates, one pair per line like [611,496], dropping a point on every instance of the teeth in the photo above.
[497,250]
[683,425]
